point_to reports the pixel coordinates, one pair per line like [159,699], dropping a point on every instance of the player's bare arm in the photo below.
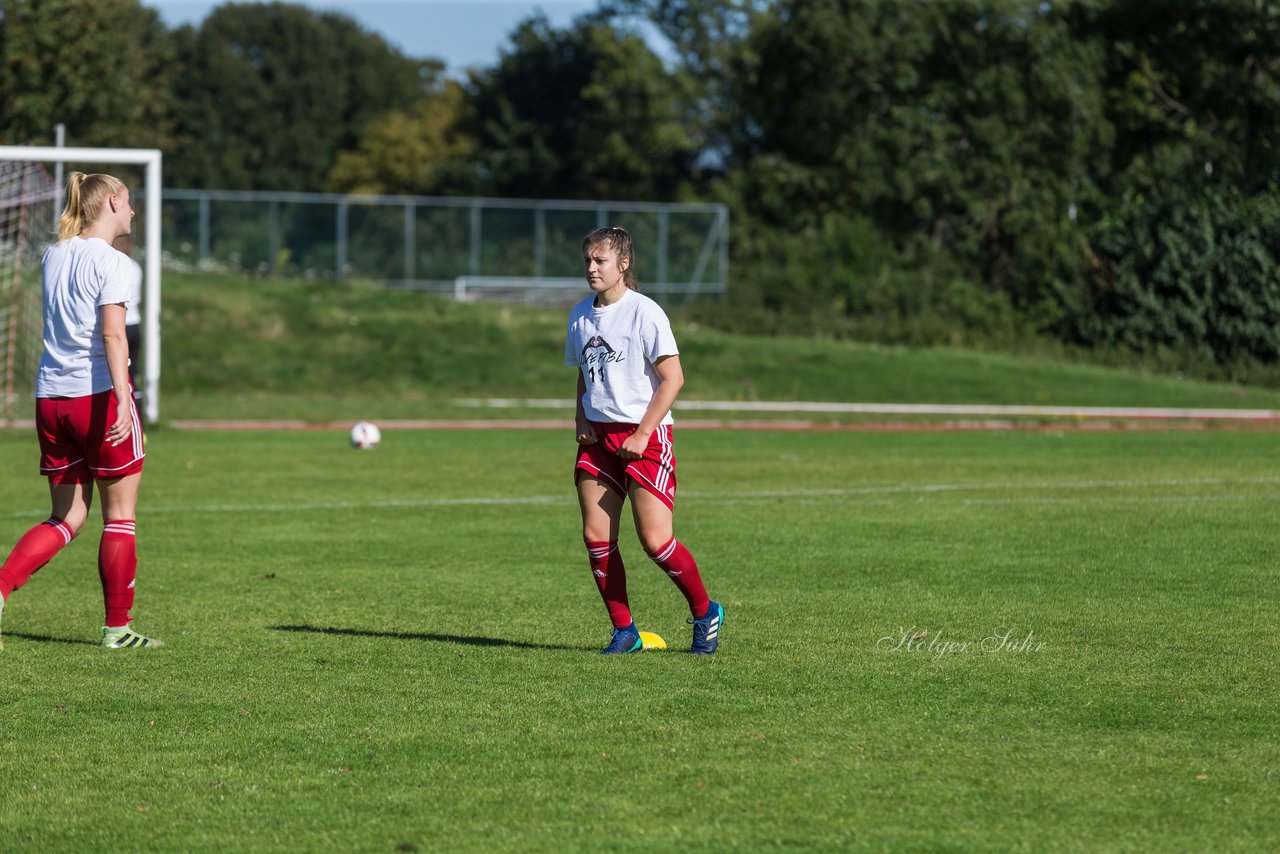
[116,344]
[671,380]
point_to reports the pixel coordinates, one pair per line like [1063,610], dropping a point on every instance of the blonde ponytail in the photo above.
[85,197]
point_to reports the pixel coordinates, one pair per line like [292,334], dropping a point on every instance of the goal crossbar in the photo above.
[151,158]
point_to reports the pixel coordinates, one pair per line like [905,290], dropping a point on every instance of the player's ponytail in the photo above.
[619,240]
[85,197]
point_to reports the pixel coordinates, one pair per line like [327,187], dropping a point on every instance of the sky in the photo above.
[463,33]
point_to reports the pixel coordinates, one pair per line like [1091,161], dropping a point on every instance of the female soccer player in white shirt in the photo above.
[86,418]
[628,377]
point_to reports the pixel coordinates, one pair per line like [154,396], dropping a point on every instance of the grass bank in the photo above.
[235,347]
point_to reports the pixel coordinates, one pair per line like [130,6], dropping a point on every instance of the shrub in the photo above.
[1186,269]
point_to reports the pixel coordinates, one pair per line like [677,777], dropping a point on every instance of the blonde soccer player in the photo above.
[628,377]
[86,417]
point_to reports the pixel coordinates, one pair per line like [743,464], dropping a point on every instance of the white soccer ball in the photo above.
[365,436]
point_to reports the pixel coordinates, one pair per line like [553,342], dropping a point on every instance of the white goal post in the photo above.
[150,158]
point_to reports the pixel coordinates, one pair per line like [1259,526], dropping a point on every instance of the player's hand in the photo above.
[120,430]
[633,446]
[587,433]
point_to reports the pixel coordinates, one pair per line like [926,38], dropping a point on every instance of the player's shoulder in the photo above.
[643,300]
[97,250]
[646,306]
[93,246]
[72,246]
[70,253]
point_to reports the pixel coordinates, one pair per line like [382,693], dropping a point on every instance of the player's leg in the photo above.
[654,525]
[117,468]
[70,493]
[118,560]
[601,506]
[69,507]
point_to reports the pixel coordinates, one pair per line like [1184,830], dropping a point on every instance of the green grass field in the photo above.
[395,650]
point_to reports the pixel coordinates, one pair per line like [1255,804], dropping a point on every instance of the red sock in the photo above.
[36,548]
[611,579]
[117,566]
[682,569]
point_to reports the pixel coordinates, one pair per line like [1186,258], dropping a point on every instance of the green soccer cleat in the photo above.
[125,638]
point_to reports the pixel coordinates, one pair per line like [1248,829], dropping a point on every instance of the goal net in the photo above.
[29,199]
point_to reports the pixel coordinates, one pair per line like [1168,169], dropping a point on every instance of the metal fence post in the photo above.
[722,217]
[474,261]
[539,241]
[273,235]
[340,263]
[664,247]
[205,224]
[410,252]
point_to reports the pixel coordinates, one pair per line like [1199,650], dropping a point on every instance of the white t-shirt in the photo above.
[615,347]
[80,276]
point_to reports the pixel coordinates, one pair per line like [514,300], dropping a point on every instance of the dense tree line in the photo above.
[1100,172]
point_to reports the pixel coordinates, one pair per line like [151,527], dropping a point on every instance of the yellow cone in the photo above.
[652,641]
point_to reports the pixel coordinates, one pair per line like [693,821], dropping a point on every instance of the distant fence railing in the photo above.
[451,245]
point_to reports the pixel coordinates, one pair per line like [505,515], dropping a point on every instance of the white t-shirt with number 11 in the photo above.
[615,347]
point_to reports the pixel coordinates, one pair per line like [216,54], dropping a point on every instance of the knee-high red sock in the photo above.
[117,567]
[682,569]
[611,579]
[36,548]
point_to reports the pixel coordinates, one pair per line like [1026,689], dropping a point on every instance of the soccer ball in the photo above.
[365,436]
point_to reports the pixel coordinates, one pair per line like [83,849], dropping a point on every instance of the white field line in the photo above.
[1023,501]
[907,409]
[1090,417]
[869,495]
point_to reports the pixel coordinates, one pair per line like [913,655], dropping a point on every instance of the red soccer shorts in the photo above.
[655,471]
[73,446]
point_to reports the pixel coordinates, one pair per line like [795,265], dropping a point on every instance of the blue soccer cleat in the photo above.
[706,630]
[625,639]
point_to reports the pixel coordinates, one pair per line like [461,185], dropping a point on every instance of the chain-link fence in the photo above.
[529,249]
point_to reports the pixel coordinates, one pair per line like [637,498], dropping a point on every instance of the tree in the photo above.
[1189,269]
[588,111]
[710,40]
[975,129]
[107,84]
[269,94]
[1192,85]
[423,150]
